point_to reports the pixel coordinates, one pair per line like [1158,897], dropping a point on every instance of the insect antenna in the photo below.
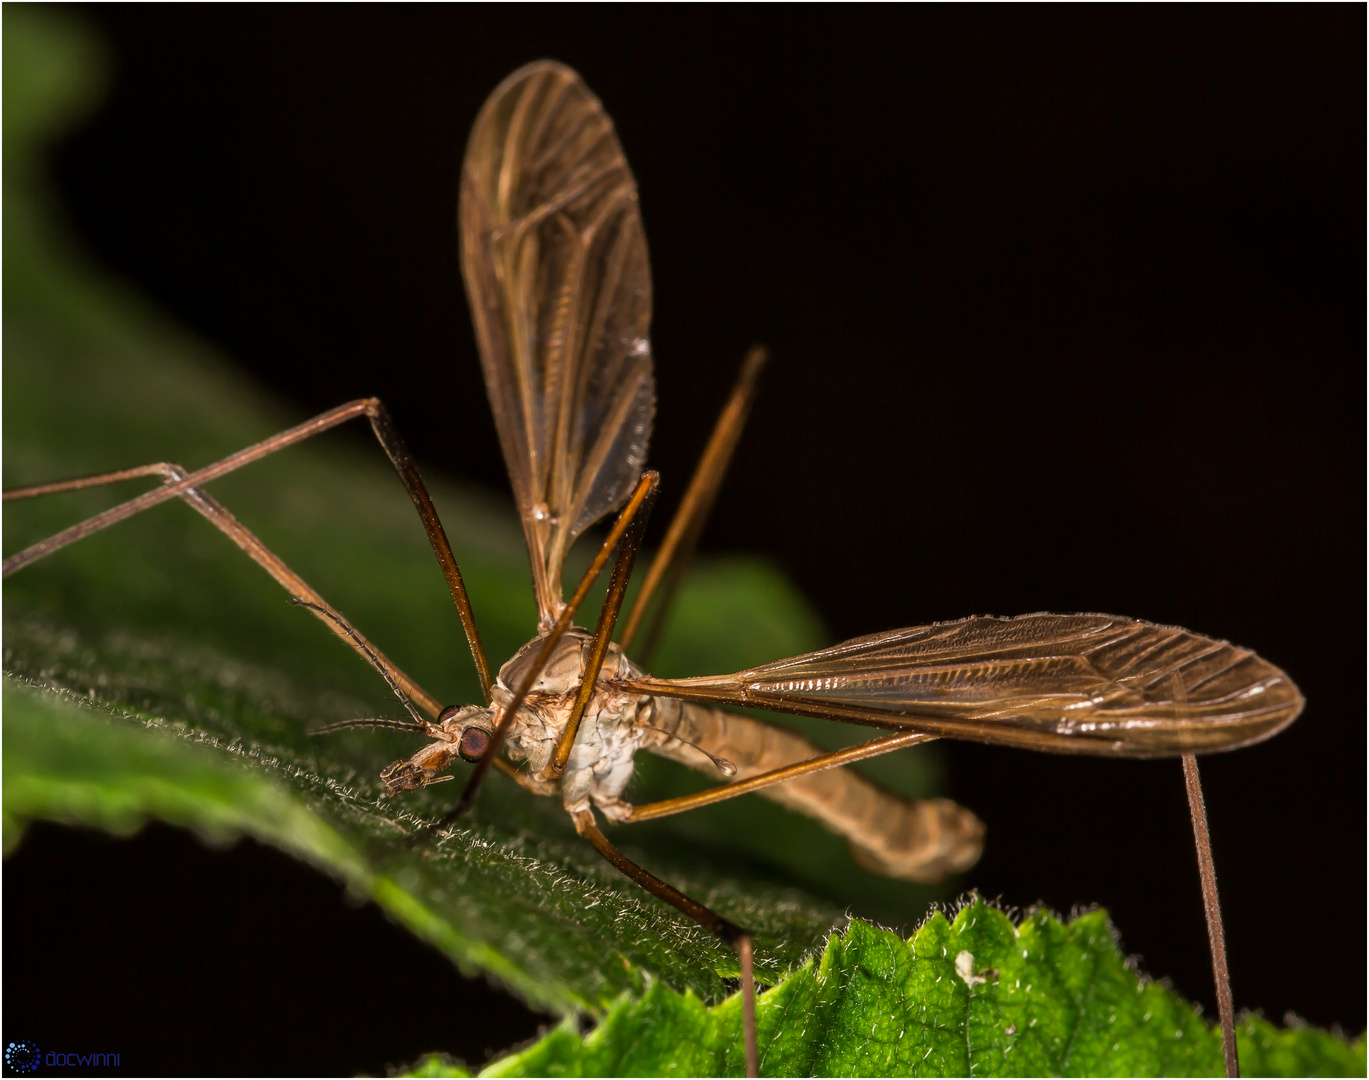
[364,647]
[328,729]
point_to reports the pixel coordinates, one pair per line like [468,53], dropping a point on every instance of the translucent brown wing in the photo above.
[555,263]
[1087,684]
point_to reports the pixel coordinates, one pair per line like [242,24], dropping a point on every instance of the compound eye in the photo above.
[474,742]
[447,714]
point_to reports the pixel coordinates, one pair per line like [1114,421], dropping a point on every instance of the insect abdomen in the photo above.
[918,840]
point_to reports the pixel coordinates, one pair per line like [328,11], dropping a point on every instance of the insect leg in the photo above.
[710,920]
[683,534]
[911,839]
[603,632]
[223,520]
[646,489]
[172,489]
[163,469]
[304,594]
[398,453]
[385,433]
[875,747]
[1212,909]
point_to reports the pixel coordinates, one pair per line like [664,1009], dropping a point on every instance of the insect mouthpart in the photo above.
[405,775]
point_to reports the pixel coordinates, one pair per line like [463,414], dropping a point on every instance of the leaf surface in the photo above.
[977,995]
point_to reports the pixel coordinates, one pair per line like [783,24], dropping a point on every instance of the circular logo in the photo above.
[23,1056]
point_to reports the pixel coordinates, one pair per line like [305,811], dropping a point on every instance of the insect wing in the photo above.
[1092,684]
[555,264]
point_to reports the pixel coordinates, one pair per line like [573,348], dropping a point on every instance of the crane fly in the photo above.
[555,263]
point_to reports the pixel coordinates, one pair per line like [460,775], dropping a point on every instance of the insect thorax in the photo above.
[600,763]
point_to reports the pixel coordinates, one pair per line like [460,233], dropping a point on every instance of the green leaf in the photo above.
[153,672]
[976,996]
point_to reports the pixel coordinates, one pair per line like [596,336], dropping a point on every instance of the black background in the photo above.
[1066,312]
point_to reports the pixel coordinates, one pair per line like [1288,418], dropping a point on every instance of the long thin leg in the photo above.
[318,424]
[163,469]
[222,519]
[646,488]
[683,535]
[710,920]
[385,433]
[383,427]
[873,748]
[1212,908]
[603,632]
[626,535]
